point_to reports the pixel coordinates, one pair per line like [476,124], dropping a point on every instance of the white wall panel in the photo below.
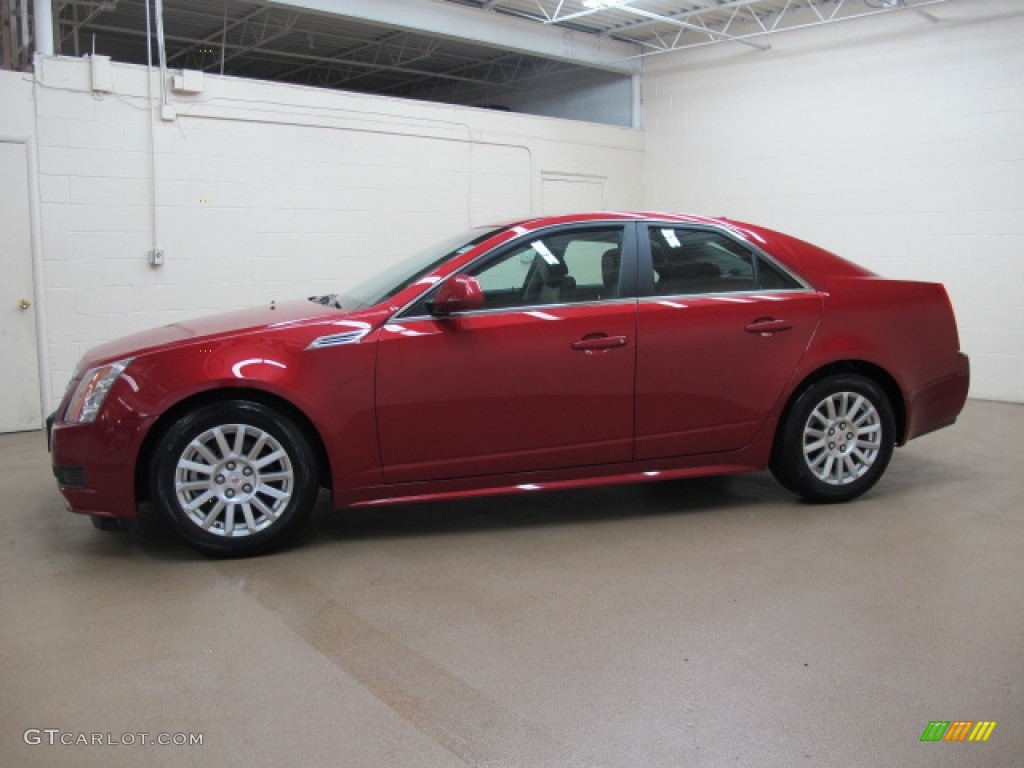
[894,141]
[263,191]
[568,195]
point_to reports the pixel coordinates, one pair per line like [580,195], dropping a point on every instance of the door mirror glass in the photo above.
[459,294]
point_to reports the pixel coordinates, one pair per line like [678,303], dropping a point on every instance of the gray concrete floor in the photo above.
[703,623]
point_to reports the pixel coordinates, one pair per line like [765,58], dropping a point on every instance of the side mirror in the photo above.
[458,294]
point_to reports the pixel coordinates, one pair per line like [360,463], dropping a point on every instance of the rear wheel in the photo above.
[235,477]
[836,440]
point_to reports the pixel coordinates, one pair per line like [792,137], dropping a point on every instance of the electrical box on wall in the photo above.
[189,81]
[102,74]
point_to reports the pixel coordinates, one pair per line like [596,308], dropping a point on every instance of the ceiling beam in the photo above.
[684,15]
[472,25]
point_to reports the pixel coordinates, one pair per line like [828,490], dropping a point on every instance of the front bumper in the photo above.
[94,465]
[67,477]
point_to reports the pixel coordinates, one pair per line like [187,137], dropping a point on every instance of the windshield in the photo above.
[386,283]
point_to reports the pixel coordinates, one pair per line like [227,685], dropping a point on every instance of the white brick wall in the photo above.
[265,191]
[894,141]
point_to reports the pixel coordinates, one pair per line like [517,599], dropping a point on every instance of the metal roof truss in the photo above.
[661,27]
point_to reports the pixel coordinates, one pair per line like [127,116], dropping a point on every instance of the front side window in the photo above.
[566,267]
[698,261]
[560,268]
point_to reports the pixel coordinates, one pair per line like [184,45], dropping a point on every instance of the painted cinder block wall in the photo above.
[267,191]
[894,141]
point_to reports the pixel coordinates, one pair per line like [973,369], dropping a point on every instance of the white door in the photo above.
[572,195]
[19,364]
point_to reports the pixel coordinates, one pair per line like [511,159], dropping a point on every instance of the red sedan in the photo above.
[551,353]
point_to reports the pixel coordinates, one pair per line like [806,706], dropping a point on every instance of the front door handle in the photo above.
[768,326]
[598,342]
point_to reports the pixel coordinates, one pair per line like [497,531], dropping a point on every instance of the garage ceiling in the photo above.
[466,51]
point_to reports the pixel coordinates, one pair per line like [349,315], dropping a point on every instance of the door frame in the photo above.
[36,250]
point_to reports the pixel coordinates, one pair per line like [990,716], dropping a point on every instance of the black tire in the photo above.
[836,439]
[234,478]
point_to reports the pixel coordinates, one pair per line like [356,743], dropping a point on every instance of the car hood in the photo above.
[241,321]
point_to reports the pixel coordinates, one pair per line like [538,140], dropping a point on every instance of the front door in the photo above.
[541,378]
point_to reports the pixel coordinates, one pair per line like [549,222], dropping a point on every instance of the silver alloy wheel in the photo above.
[234,480]
[842,438]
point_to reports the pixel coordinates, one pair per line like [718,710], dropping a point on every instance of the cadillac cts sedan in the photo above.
[554,352]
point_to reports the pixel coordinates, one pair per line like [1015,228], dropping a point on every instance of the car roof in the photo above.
[536,222]
[811,262]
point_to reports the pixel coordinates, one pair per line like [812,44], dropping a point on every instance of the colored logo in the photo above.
[958,730]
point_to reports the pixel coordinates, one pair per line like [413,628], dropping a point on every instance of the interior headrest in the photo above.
[550,273]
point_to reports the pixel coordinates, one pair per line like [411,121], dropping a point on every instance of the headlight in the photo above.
[92,390]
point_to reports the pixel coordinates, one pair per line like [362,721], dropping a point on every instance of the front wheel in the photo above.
[234,477]
[836,439]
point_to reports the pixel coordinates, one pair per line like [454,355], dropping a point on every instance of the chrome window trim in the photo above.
[727,294]
[524,309]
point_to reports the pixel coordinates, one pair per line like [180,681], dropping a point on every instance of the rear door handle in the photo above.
[598,342]
[768,325]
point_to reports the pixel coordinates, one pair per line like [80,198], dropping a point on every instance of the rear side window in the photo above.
[698,261]
[771,278]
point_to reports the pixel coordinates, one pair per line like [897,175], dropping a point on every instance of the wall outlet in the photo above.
[156,257]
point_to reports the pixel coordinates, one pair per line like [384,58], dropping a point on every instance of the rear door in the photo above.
[541,378]
[719,336]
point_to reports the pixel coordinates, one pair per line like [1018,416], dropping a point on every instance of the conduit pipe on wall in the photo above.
[155,254]
[20,58]
[43,27]
[158,6]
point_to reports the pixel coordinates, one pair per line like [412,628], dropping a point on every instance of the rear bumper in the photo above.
[938,404]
